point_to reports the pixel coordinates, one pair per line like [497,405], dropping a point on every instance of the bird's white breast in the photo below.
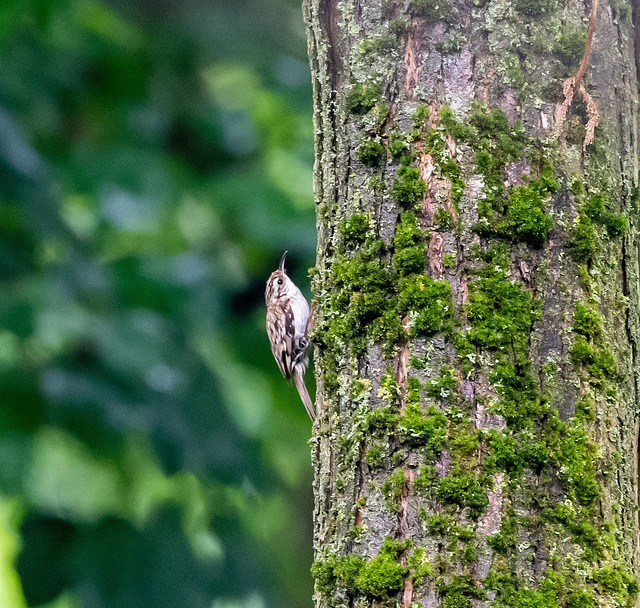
[299,306]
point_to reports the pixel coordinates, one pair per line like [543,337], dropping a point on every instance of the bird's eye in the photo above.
[279,281]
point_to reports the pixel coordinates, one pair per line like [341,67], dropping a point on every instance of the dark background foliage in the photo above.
[155,161]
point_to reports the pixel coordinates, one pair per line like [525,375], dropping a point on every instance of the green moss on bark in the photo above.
[418,429]
[426,302]
[583,239]
[459,591]
[409,246]
[370,153]
[536,8]
[500,311]
[392,489]
[408,189]
[432,11]
[589,350]
[377,577]
[362,98]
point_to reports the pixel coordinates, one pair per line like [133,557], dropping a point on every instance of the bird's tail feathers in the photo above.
[298,378]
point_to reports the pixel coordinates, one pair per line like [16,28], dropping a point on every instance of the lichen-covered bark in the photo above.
[477,293]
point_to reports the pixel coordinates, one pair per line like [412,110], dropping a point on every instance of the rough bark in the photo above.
[477,295]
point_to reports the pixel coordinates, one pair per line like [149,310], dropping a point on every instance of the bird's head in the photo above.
[278,283]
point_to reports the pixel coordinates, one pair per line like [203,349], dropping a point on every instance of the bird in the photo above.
[288,323]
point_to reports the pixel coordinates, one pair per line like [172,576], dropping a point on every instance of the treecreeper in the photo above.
[288,330]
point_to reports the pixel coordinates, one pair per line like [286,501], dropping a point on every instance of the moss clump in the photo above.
[464,487]
[409,246]
[398,27]
[464,491]
[362,287]
[615,579]
[427,302]
[495,142]
[444,386]
[379,576]
[347,569]
[361,295]
[598,209]
[361,98]
[409,188]
[435,144]
[596,206]
[520,216]
[432,11]
[383,575]
[588,323]
[392,489]
[525,220]
[368,302]
[589,349]
[506,538]
[380,420]
[569,47]
[537,439]
[598,362]
[616,224]
[578,471]
[398,148]
[443,219]
[449,260]
[536,8]
[376,45]
[520,403]
[421,430]
[355,229]
[583,239]
[439,524]
[458,130]
[577,521]
[419,565]
[420,116]
[362,291]
[452,46]
[459,591]
[499,310]
[370,153]
[374,455]
[511,593]
[323,571]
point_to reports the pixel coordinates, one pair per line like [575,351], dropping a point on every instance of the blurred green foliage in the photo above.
[155,161]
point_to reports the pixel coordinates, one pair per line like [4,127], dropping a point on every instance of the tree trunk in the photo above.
[477,297]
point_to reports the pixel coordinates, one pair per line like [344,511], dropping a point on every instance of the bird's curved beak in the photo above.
[284,255]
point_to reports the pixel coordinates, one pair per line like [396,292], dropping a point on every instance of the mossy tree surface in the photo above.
[477,300]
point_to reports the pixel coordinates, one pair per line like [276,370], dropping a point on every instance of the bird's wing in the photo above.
[281,331]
